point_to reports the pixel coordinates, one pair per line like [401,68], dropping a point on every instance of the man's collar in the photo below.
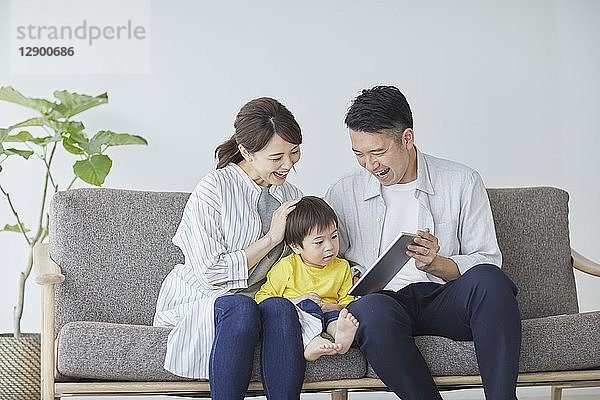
[423,178]
[373,187]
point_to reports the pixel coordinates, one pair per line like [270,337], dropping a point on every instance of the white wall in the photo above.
[509,88]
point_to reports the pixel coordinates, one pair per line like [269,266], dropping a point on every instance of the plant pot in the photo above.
[20,366]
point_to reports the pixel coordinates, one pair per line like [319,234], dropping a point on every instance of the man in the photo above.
[453,286]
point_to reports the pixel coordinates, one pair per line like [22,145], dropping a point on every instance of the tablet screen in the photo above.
[387,265]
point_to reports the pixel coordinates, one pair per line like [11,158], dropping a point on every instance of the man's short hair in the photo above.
[380,108]
[311,213]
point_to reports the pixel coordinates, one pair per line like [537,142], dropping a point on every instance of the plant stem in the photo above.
[19,224]
[18,309]
[44,195]
[41,233]
[47,163]
[72,182]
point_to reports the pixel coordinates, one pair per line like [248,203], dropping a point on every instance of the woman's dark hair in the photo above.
[382,107]
[310,213]
[255,125]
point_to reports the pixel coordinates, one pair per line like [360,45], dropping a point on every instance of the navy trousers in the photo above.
[239,322]
[480,305]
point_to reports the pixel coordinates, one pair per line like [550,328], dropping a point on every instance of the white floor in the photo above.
[541,393]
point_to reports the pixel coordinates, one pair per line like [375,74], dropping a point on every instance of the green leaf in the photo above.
[25,136]
[37,121]
[76,103]
[94,170]
[22,136]
[58,111]
[14,228]
[3,135]
[23,153]
[121,139]
[80,139]
[72,146]
[65,127]
[9,94]
[100,138]
[47,139]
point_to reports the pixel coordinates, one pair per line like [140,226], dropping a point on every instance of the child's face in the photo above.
[319,248]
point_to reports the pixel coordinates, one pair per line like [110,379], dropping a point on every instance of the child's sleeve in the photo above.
[343,297]
[277,279]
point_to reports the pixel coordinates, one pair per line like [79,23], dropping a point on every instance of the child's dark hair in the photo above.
[310,213]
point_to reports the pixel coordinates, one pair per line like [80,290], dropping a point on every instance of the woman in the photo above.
[231,234]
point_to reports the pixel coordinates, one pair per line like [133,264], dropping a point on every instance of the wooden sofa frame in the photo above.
[48,273]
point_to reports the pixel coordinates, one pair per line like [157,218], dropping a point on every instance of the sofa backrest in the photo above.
[114,248]
[532,228]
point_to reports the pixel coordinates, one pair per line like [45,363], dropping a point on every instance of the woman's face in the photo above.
[271,165]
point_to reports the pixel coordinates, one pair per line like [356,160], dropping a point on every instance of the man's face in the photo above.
[383,156]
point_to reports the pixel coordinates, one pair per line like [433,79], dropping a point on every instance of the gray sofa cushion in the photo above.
[532,228]
[558,343]
[99,350]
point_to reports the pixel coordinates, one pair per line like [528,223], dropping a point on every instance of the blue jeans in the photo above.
[480,306]
[239,321]
[313,309]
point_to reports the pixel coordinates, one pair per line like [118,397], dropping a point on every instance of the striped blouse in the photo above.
[219,221]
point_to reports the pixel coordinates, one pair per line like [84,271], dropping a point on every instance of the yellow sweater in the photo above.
[290,277]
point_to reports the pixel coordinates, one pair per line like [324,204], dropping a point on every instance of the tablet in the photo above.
[387,265]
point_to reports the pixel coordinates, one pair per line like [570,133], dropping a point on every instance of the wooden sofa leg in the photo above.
[556,393]
[340,394]
[47,352]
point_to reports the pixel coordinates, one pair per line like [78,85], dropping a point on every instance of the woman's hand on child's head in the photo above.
[277,228]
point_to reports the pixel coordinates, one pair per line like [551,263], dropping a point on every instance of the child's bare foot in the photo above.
[345,331]
[320,346]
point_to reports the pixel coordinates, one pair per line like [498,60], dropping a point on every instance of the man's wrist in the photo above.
[444,268]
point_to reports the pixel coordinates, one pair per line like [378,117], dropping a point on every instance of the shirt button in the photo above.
[378,219]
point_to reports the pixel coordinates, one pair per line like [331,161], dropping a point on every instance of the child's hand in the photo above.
[326,307]
[308,296]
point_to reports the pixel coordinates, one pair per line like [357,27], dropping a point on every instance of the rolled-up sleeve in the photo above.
[477,235]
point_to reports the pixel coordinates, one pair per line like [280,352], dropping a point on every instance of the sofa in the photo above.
[109,251]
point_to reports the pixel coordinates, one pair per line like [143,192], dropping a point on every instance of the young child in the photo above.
[314,279]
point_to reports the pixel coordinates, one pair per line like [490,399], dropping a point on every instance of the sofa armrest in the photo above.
[45,271]
[585,264]
[47,274]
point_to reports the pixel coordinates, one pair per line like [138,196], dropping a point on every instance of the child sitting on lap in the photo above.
[314,279]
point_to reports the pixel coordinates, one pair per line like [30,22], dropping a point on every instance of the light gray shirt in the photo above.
[453,204]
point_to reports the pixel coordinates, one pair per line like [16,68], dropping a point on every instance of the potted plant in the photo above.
[38,139]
